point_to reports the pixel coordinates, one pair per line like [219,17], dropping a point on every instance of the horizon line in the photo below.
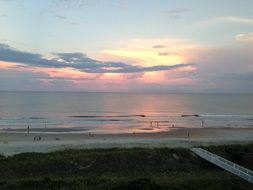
[122,92]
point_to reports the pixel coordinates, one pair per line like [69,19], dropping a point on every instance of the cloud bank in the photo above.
[77,61]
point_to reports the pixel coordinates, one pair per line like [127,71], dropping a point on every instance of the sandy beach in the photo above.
[13,143]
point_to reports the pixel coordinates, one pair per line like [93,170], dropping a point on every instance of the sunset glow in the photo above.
[169,46]
[147,58]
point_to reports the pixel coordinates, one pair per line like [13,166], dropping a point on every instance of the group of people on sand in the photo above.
[35,138]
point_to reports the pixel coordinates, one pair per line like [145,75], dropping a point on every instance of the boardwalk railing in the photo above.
[225,164]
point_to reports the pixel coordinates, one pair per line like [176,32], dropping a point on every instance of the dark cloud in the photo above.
[77,61]
[175,13]
[158,46]
[167,53]
[10,55]
[64,19]
[60,17]
[164,67]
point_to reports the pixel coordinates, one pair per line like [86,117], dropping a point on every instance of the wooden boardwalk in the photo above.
[225,164]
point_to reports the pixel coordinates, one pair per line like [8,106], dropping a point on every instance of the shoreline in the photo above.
[14,143]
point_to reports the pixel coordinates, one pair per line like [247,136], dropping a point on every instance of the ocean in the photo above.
[79,112]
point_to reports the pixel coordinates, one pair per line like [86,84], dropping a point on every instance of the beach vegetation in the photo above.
[111,169]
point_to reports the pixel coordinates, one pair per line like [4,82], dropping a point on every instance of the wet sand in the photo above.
[13,143]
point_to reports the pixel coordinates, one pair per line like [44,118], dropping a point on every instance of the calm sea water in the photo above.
[121,112]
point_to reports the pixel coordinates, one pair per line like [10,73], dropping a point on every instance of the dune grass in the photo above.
[112,169]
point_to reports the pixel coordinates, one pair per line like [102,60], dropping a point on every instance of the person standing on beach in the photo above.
[28,129]
[202,123]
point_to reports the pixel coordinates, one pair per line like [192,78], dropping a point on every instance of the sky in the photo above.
[185,46]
